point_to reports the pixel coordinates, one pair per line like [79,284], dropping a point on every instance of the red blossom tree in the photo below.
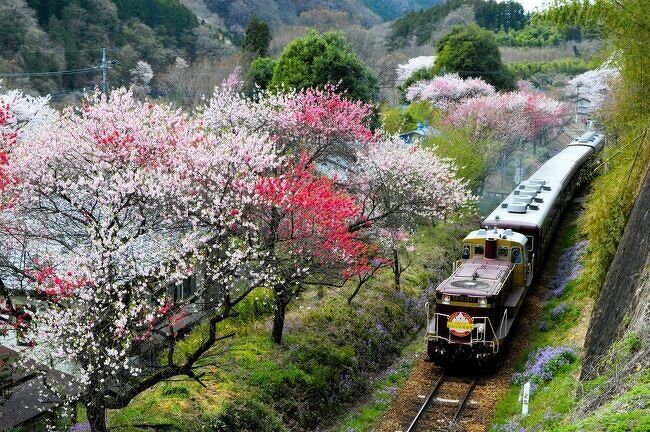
[305,220]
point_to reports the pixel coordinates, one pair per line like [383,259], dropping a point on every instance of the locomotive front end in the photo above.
[470,319]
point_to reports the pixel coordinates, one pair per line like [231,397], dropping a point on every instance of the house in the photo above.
[422,131]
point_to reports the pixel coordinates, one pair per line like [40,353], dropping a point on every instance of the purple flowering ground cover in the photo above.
[568,267]
[544,363]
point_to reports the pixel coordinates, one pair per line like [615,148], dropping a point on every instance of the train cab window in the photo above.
[530,243]
[479,250]
[516,255]
[465,252]
[503,251]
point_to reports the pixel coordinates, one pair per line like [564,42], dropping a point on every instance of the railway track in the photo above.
[444,406]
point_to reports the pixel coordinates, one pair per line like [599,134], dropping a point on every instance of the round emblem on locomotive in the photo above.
[460,324]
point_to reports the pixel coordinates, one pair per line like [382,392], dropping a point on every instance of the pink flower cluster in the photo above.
[444,91]
[508,116]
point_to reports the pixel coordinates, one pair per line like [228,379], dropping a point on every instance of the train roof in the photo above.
[532,200]
[506,234]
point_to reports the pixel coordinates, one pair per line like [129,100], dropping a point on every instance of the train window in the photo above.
[479,250]
[516,255]
[529,243]
[503,251]
[465,251]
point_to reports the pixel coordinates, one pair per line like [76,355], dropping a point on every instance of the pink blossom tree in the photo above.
[445,91]
[105,217]
[315,134]
[511,117]
[399,186]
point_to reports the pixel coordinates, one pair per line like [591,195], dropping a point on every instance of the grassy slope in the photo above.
[330,355]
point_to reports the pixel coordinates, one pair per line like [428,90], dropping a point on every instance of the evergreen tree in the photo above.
[320,59]
[256,38]
[472,51]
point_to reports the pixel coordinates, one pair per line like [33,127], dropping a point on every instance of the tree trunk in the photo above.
[96,417]
[278,318]
[396,269]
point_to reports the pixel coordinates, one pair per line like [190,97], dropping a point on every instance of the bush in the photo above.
[176,391]
[245,415]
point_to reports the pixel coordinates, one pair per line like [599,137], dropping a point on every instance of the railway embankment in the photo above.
[623,305]
[589,360]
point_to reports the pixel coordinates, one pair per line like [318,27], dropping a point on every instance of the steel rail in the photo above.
[426,403]
[461,404]
[463,401]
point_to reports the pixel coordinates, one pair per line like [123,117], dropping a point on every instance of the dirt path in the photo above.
[493,385]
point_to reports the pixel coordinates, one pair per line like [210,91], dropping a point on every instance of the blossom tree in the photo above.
[21,117]
[593,85]
[316,134]
[104,218]
[304,219]
[511,117]
[399,186]
[141,76]
[445,91]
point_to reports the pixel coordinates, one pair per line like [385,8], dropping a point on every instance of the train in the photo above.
[477,306]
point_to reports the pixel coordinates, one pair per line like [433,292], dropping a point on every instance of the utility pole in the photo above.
[105,66]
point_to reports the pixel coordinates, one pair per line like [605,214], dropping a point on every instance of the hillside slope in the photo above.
[234,15]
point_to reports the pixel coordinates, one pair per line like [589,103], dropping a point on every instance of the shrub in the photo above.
[176,391]
[245,415]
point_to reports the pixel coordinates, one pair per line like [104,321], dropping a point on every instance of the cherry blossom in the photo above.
[400,185]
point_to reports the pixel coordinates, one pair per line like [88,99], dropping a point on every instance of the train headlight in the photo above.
[446,299]
[482,302]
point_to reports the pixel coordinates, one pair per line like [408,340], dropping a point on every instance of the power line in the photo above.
[48,74]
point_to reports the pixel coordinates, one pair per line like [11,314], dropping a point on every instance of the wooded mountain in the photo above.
[236,14]
[420,26]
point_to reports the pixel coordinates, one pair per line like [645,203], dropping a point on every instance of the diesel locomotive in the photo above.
[477,306]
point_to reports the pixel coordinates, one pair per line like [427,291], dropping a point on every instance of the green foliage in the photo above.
[493,15]
[176,391]
[244,415]
[472,51]
[470,157]
[532,35]
[172,15]
[421,74]
[260,73]
[421,25]
[257,38]
[320,59]
[405,118]
[569,66]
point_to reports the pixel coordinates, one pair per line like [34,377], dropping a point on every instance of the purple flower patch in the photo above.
[568,267]
[559,310]
[80,427]
[544,363]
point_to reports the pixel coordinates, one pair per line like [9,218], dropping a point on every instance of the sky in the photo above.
[530,5]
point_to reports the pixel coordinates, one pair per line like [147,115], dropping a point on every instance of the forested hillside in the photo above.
[67,35]
[420,26]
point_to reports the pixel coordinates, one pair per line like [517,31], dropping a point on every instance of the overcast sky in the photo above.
[529,5]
